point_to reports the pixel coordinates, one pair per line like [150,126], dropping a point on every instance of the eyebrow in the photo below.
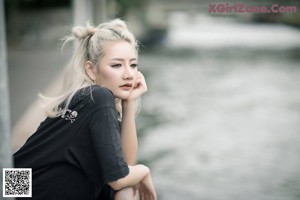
[121,59]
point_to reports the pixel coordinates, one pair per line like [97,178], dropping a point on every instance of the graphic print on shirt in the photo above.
[70,115]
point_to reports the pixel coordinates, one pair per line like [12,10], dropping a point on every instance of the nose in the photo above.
[128,73]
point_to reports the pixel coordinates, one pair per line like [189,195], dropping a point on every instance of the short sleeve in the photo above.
[105,136]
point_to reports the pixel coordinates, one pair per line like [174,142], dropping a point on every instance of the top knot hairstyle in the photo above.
[82,32]
[94,38]
[91,44]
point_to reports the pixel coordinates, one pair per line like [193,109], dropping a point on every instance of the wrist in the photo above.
[128,102]
[130,105]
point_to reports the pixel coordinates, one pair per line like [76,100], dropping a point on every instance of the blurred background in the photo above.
[221,120]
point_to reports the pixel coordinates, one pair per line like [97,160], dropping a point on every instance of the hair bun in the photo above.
[119,24]
[82,32]
[114,24]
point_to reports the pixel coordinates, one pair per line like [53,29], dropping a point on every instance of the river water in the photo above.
[221,119]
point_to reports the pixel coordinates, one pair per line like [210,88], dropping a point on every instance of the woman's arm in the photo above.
[125,194]
[129,144]
[128,132]
[128,128]
[137,174]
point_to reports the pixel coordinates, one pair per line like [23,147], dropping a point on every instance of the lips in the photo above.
[126,86]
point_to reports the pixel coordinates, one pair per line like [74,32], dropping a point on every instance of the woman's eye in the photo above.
[117,65]
[134,65]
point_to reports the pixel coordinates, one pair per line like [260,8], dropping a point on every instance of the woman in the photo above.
[82,147]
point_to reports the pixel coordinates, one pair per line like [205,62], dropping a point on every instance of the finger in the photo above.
[141,83]
[142,196]
[137,84]
[140,75]
[147,197]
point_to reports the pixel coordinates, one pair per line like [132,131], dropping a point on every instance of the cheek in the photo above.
[109,76]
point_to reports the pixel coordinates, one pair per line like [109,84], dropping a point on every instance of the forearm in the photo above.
[136,174]
[125,194]
[128,132]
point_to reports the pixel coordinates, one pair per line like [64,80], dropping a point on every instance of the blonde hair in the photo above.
[90,48]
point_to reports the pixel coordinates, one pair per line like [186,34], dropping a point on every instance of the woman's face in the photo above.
[118,68]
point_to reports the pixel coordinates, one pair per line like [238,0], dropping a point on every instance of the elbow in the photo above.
[136,174]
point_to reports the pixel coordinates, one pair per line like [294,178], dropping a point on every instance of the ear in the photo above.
[90,70]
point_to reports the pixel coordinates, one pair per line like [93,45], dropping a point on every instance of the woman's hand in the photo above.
[140,87]
[146,189]
[132,102]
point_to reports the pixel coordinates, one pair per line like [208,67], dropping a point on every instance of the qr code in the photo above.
[17,182]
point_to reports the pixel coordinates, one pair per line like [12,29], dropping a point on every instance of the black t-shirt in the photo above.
[74,156]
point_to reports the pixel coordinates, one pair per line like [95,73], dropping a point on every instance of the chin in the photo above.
[122,95]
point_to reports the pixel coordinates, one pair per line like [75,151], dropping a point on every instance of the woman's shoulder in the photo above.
[95,95]
[102,95]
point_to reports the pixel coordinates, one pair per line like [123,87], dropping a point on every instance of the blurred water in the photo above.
[221,118]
